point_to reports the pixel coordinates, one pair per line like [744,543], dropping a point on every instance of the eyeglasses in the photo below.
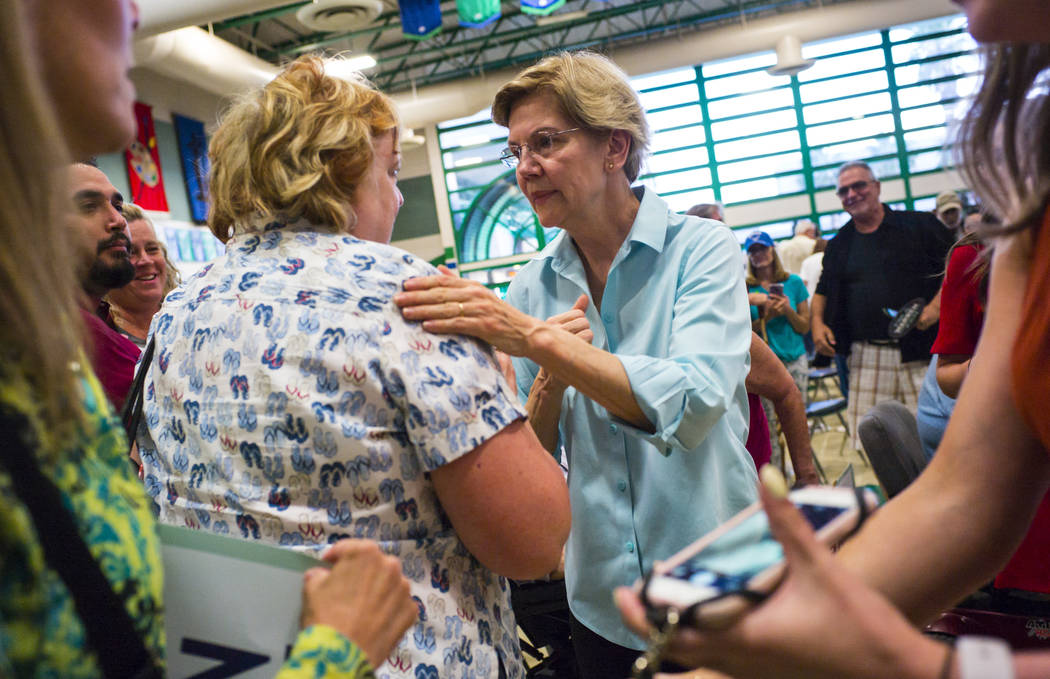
[855,187]
[541,144]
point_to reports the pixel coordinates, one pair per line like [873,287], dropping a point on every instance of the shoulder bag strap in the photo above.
[132,414]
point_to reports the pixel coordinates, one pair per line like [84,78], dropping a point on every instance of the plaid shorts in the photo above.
[876,374]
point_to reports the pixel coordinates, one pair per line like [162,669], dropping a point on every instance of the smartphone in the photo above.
[742,554]
[776,289]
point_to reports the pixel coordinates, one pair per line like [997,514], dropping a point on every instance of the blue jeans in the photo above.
[934,410]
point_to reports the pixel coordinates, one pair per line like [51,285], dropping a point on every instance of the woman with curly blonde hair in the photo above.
[309,410]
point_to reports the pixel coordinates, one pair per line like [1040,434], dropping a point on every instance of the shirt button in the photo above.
[608,318]
[613,429]
[622,485]
[630,547]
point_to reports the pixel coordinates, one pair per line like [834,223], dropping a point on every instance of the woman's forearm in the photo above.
[595,373]
[544,409]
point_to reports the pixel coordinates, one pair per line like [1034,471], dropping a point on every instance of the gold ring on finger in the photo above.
[460,308]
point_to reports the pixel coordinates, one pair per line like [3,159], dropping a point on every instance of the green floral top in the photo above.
[40,632]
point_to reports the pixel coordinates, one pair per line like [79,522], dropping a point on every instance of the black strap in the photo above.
[132,414]
[119,650]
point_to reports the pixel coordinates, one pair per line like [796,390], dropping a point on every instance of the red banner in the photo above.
[143,159]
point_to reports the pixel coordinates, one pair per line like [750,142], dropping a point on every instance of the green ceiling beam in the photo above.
[259,16]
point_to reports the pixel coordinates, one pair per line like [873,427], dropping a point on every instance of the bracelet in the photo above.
[984,658]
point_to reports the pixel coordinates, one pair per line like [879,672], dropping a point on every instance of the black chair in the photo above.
[818,410]
[817,384]
[890,437]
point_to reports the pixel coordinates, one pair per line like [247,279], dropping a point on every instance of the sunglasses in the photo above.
[540,144]
[855,187]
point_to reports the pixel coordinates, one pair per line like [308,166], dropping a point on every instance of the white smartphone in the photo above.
[742,554]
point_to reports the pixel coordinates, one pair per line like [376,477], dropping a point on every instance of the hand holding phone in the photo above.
[714,581]
[776,289]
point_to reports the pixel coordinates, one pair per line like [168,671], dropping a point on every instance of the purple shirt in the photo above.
[113,357]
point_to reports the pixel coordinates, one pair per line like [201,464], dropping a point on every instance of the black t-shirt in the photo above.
[867,288]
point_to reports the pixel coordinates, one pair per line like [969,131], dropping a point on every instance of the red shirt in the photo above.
[758,443]
[962,313]
[113,357]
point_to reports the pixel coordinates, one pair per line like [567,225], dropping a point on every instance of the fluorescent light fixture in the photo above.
[345,67]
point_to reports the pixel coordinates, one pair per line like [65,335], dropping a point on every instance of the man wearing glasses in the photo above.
[879,261]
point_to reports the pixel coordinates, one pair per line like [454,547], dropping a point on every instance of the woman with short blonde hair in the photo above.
[299,146]
[311,411]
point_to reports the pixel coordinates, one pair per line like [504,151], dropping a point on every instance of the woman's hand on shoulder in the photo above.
[449,305]
[363,596]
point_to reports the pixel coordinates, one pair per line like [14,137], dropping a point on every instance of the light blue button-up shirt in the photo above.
[675,313]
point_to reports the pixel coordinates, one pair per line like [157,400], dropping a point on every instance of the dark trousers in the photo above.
[599,658]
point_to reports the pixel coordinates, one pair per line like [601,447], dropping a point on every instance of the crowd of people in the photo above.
[319,390]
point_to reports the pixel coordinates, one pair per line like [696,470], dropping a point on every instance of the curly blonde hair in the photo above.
[298,147]
[592,91]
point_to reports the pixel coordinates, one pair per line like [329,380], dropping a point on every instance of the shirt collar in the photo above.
[649,229]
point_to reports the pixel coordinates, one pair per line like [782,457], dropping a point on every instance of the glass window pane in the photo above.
[928,161]
[830,224]
[756,124]
[938,25]
[815,50]
[675,117]
[847,63]
[776,230]
[938,114]
[912,74]
[933,92]
[750,103]
[680,181]
[843,87]
[736,64]
[473,156]
[924,49]
[469,136]
[923,139]
[683,201]
[739,84]
[849,129]
[676,160]
[756,146]
[676,139]
[481,176]
[670,97]
[664,78]
[763,188]
[461,200]
[837,110]
[745,169]
[865,148]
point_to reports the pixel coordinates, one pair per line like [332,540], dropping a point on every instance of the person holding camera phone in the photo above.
[953,528]
[780,314]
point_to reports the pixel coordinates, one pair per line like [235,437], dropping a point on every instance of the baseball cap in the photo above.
[946,200]
[758,238]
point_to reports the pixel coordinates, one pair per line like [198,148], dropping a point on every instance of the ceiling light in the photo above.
[345,67]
